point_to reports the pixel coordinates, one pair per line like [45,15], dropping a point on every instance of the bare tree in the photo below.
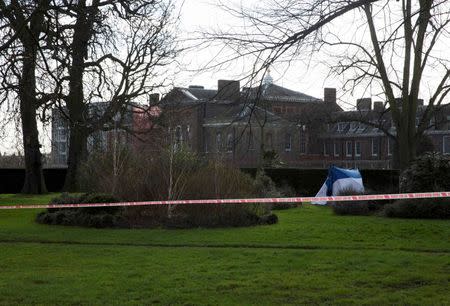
[394,46]
[22,28]
[109,52]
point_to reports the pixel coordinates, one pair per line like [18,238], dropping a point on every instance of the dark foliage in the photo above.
[266,187]
[180,216]
[419,209]
[306,182]
[356,208]
[430,172]
[98,217]
[178,175]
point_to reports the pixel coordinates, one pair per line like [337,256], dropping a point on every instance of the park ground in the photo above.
[310,257]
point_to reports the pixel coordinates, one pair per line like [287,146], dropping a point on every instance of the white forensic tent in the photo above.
[340,179]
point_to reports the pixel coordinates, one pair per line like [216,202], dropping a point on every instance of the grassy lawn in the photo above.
[309,257]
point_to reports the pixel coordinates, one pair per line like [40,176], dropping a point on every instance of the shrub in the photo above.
[356,208]
[419,208]
[84,216]
[429,172]
[177,175]
[266,188]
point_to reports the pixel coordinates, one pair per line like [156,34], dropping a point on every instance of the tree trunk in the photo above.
[75,100]
[34,177]
[406,148]
[77,153]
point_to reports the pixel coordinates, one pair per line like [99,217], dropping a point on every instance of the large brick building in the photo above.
[249,126]
[252,126]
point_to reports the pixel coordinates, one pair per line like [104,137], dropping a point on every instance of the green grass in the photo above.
[310,257]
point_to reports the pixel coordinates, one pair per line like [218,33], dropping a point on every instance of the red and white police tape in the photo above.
[422,195]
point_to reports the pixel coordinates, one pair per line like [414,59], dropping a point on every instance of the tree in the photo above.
[110,52]
[393,47]
[22,27]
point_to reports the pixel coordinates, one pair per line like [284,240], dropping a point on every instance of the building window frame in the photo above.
[389,147]
[348,149]
[445,141]
[288,142]
[302,148]
[341,126]
[218,141]
[375,146]
[229,143]
[336,149]
[354,126]
[250,141]
[357,148]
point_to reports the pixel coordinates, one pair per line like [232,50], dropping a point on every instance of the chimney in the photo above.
[378,106]
[364,104]
[154,98]
[228,90]
[196,87]
[329,95]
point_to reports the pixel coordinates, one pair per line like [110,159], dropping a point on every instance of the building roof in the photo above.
[242,112]
[268,92]
[274,92]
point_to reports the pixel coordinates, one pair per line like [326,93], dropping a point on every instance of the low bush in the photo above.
[98,217]
[175,175]
[419,209]
[266,188]
[356,208]
[429,172]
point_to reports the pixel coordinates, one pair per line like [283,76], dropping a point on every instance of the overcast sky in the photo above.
[204,15]
[309,76]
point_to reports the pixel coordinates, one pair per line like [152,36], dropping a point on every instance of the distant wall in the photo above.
[11,180]
[306,182]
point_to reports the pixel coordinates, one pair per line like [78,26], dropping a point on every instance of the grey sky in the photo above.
[200,15]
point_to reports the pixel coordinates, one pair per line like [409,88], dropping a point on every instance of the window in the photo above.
[357,148]
[219,141]
[341,126]
[348,149]
[325,148]
[277,110]
[230,143]
[446,144]
[288,144]
[61,134]
[390,147]
[336,148]
[353,126]
[269,141]
[375,146]
[250,144]
[205,140]
[178,135]
[62,148]
[302,144]
[393,126]
[188,136]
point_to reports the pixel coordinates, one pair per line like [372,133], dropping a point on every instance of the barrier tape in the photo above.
[375,197]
